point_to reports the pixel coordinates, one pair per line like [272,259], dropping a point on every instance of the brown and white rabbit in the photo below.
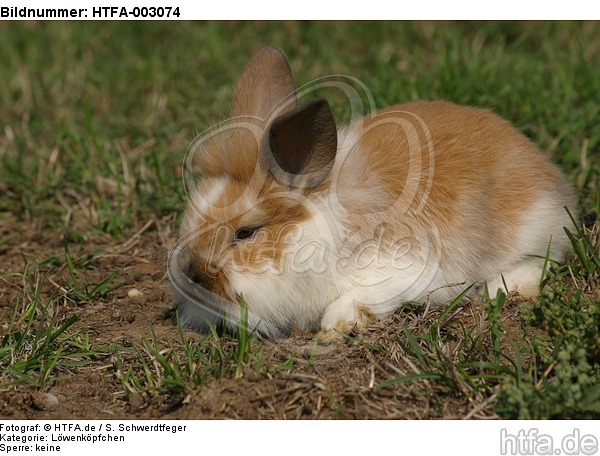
[294,224]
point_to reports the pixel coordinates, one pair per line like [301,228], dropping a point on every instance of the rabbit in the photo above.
[294,224]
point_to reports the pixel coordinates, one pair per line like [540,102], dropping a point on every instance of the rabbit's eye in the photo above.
[244,233]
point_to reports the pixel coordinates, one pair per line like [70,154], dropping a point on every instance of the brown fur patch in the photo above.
[485,178]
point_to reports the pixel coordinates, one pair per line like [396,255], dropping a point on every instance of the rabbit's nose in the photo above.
[198,279]
[207,276]
[202,279]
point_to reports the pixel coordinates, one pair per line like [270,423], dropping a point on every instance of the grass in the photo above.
[95,120]
[85,291]
[37,347]
[161,367]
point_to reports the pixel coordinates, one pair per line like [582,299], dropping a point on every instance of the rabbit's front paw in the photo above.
[344,317]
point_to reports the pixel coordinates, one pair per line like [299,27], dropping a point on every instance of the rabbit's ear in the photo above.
[300,145]
[265,81]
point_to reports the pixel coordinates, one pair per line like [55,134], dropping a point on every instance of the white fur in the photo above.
[541,233]
[209,200]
